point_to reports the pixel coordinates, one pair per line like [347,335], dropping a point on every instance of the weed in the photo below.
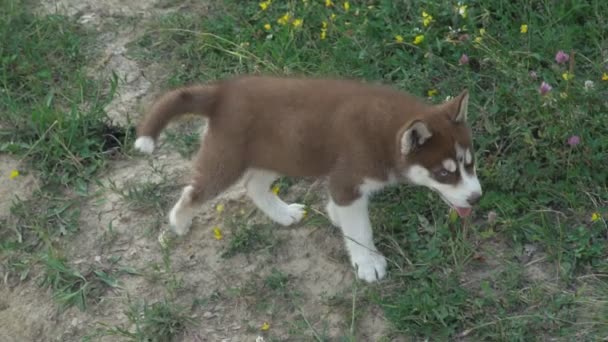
[158,322]
[248,237]
[71,287]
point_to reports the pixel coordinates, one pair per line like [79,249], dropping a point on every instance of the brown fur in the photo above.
[307,127]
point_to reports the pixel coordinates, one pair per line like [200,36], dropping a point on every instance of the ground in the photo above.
[84,253]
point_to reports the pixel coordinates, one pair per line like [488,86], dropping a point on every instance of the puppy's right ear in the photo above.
[414,136]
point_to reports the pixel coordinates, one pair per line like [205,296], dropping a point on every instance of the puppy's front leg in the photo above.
[356,226]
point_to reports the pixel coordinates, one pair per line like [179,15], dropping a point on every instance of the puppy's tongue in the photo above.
[463,212]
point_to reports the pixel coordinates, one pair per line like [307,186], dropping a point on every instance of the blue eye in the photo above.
[443,173]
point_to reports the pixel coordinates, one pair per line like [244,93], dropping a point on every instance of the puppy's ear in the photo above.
[459,107]
[414,136]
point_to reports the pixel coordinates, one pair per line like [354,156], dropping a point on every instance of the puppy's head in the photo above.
[436,151]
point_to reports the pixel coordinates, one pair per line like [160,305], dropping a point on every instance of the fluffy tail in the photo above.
[189,100]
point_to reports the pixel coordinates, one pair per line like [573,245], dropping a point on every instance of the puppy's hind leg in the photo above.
[258,184]
[216,170]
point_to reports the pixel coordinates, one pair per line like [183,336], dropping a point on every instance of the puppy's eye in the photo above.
[444,173]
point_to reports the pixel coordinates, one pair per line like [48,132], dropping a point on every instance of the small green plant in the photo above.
[161,321]
[71,287]
[248,237]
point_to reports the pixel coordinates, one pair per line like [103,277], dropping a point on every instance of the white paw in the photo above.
[331,212]
[370,265]
[144,144]
[180,221]
[293,213]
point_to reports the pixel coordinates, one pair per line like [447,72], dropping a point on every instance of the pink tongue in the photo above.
[463,212]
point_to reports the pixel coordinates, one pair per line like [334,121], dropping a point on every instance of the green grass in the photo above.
[51,111]
[72,287]
[542,190]
[156,322]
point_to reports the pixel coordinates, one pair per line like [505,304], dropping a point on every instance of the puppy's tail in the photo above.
[189,100]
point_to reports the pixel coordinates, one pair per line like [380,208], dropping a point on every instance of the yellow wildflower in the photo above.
[267,27]
[346,5]
[419,39]
[332,17]
[399,38]
[14,174]
[217,233]
[297,23]
[595,217]
[482,31]
[328,3]
[432,92]
[284,20]
[605,77]
[567,76]
[427,19]
[265,326]
[462,10]
[219,208]
[523,28]
[264,5]
[477,40]
[323,30]
[276,189]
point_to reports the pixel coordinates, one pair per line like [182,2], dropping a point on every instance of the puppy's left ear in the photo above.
[413,136]
[459,107]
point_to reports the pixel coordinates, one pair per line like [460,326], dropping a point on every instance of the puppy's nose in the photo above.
[474,198]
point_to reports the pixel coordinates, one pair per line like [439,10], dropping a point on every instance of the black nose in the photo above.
[474,198]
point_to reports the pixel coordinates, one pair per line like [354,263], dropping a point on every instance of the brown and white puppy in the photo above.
[361,137]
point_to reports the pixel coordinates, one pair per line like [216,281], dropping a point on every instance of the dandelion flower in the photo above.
[589,85]
[605,77]
[427,19]
[399,38]
[523,28]
[275,189]
[219,208]
[267,27]
[432,92]
[595,217]
[346,6]
[544,88]
[323,30]
[217,233]
[14,174]
[265,326]
[328,3]
[419,39]
[264,5]
[332,17]
[284,19]
[297,23]
[561,57]
[464,59]
[567,76]
[574,140]
[478,40]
